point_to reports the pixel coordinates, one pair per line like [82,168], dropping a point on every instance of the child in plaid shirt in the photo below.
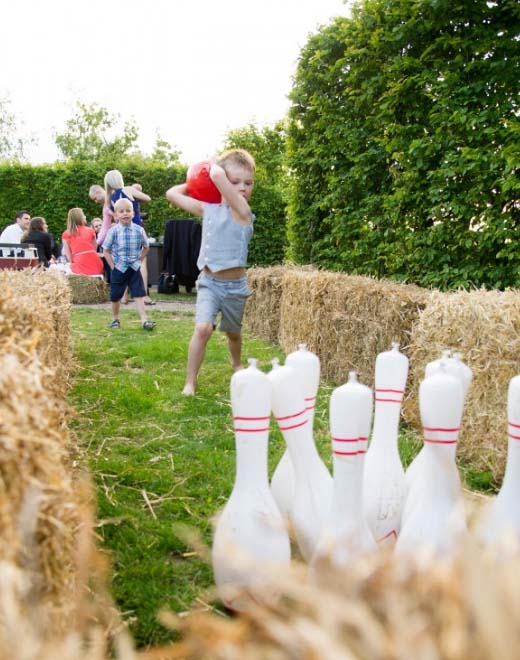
[124,247]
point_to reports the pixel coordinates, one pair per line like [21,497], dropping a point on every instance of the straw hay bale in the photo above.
[485,327]
[87,290]
[379,608]
[262,314]
[35,315]
[38,511]
[346,320]
[90,627]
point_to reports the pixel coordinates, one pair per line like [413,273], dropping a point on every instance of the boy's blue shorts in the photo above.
[130,278]
[225,296]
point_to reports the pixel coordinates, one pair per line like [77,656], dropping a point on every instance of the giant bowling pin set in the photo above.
[369,502]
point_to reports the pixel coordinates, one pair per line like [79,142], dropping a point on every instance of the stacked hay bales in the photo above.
[87,290]
[262,316]
[38,507]
[485,327]
[346,320]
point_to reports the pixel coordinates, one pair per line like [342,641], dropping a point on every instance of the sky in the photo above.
[188,70]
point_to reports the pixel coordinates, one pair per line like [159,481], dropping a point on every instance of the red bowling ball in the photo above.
[200,186]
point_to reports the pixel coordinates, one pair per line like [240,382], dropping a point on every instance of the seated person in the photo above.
[79,245]
[13,233]
[38,235]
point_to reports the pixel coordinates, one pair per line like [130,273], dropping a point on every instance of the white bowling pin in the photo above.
[313,483]
[250,540]
[345,534]
[467,374]
[307,364]
[383,483]
[455,367]
[433,516]
[500,524]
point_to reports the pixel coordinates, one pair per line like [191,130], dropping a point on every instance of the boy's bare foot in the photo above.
[189,389]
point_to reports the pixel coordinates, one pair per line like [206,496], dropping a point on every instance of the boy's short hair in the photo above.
[122,200]
[239,157]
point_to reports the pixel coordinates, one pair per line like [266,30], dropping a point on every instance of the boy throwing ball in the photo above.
[227,228]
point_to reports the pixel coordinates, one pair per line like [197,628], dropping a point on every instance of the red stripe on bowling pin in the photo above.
[389,391]
[237,430]
[387,536]
[441,441]
[511,435]
[281,419]
[311,400]
[433,428]
[251,419]
[294,426]
[349,453]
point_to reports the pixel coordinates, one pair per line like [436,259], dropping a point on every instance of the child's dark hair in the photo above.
[238,157]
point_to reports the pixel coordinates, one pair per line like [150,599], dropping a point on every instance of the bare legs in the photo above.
[115,310]
[144,273]
[197,349]
[139,305]
[235,349]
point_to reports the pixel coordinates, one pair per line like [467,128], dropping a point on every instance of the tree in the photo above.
[164,153]
[403,136]
[11,143]
[87,135]
[267,146]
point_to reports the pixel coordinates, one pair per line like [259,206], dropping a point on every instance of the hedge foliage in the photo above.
[404,139]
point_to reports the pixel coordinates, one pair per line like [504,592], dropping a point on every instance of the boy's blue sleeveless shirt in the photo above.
[224,242]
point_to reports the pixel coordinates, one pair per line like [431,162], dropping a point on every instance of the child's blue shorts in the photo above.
[130,278]
[225,296]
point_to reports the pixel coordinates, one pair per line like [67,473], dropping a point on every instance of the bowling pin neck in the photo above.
[347,488]
[511,481]
[251,463]
[440,444]
[386,418]
[251,440]
[301,446]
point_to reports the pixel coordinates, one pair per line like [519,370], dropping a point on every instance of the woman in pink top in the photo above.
[79,245]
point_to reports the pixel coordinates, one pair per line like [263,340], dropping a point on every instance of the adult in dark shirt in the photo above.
[38,235]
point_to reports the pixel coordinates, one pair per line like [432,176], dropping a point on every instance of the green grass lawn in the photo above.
[162,461]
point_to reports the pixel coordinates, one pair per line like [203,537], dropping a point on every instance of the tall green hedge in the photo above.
[404,142]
